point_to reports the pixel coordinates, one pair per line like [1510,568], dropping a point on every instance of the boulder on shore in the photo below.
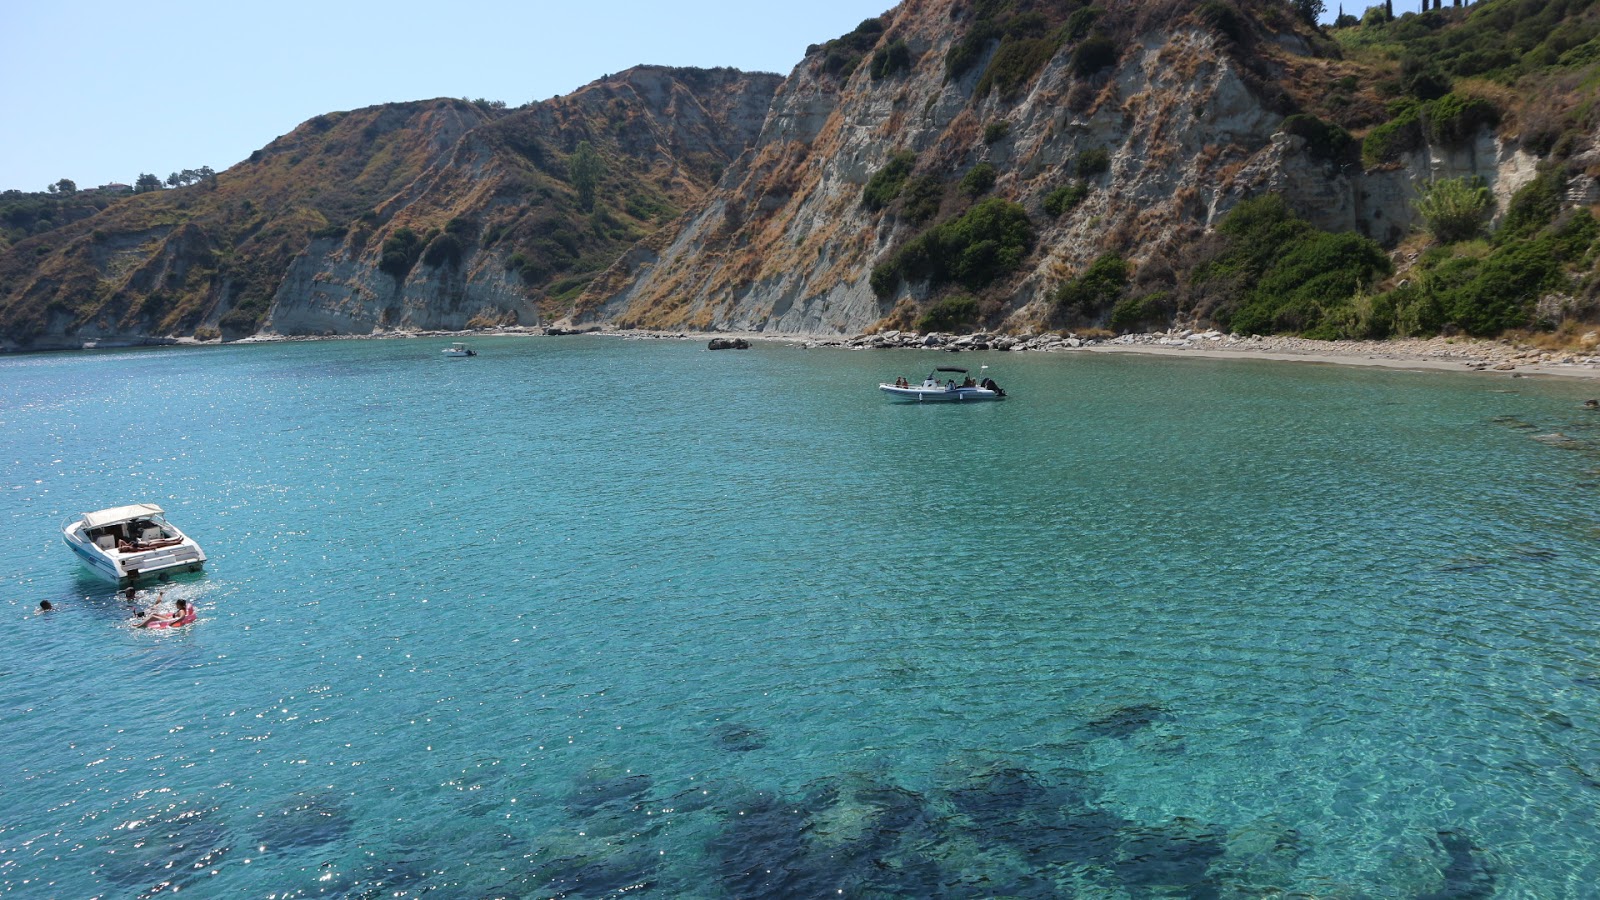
[728,344]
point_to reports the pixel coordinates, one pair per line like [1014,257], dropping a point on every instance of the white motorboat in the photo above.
[128,542]
[949,390]
[458,350]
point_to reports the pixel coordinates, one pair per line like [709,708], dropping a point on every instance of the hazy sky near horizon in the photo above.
[100,91]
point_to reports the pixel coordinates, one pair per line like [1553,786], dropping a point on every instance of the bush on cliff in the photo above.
[1271,271]
[885,184]
[950,314]
[1324,140]
[1095,289]
[1454,208]
[1091,162]
[400,253]
[445,249]
[979,179]
[1064,198]
[990,240]
[1486,293]
[891,60]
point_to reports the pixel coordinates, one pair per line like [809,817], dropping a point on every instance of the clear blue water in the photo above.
[583,617]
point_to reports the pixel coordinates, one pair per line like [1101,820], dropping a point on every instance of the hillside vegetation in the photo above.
[413,215]
[1000,164]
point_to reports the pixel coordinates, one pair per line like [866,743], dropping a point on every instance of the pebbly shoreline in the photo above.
[1435,353]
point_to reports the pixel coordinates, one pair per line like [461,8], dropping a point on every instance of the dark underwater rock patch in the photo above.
[309,820]
[1125,721]
[1466,875]
[595,790]
[735,738]
[611,876]
[163,850]
[1177,856]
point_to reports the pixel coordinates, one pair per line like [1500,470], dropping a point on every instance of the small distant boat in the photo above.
[458,350]
[128,542]
[948,390]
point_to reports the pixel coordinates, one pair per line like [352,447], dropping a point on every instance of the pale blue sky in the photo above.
[99,91]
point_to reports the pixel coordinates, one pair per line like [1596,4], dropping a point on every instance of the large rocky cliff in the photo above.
[438,214]
[1189,119]
[957,161]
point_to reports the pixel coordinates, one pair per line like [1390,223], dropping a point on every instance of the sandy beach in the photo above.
[1455,354]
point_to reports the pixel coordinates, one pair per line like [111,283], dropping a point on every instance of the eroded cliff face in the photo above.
[438,214]
[504,186]
[785,243]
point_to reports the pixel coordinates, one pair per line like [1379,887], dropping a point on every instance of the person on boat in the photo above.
[968,382]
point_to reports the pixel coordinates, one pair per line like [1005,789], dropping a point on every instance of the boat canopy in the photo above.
[951,369]
[120,514]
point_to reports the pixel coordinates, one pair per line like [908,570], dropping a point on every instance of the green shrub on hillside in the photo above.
[950,314]
[996,131]
[1079,23]
[979,179]
[1015,64]
[1066,197]
[1400,135]
[1313,275]
[1280,274]
[1454,208]
[1091,162]
[990,240]
[442,250]
[1324,140]
[842,55]
[1455,119]
[885,184]
[400,253]
[1221,17]
[1141,313]
[1094,54]
[1096,288]
[920,199]
[1534,205]
[891,60]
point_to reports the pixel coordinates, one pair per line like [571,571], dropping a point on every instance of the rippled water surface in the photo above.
[583,617]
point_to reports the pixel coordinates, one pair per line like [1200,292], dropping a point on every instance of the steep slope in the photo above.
[433,214]
[973,158]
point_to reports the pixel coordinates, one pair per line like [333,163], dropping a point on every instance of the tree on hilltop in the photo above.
[1309,10]
[146,182]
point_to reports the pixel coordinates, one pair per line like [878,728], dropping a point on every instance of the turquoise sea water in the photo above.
[585,617]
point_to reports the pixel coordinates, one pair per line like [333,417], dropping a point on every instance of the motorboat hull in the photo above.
[940,394]
[177,552]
